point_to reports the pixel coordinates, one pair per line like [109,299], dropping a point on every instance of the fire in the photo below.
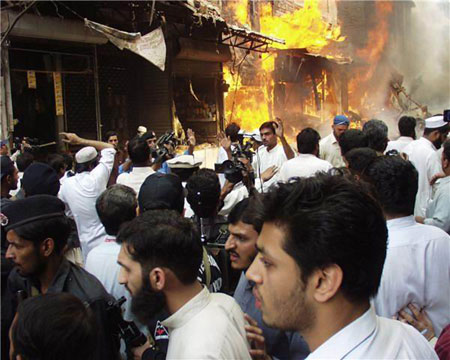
[302,29]
[252,104]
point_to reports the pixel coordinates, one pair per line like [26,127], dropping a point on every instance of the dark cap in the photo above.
[149,135]
[7,165]
[161,191]
[40,178]
[31,209]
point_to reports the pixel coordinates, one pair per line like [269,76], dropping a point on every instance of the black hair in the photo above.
[86,166]
[68,159]
[184,173]
[446,150]
[359,159]
[115,206]
[376,124]
[57,228]
[56,162]
[442,130]
[232,130]
[331,219]
[268,125]
[24,160]
[110,133]
[138,150]
[351,139]
[395,183]
[307,141]
[53,327]
[244,211]
[163,238]
[407,126]
[376,139]
[203,193]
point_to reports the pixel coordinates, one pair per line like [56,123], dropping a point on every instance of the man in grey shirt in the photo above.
[266,342]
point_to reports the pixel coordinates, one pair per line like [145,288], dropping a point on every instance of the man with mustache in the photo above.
[160,255]
[244,228]
[316,277]
[423,154]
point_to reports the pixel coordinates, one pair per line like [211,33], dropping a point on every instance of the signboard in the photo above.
[57,83]
[31,77]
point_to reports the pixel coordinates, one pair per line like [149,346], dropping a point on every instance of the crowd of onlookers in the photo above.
[339,248]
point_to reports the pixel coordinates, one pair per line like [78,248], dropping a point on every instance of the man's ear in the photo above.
[326,282]
[157,279]
[47,247]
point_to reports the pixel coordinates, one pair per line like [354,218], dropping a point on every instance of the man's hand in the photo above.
[420,219]
[71,138]
[269,173]
[418,319]
[279,130]
[224,141]
[256,338]
[137,352]
[436,177]
[191,137]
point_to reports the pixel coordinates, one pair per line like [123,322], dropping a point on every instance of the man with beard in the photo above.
[314,276]
[329,145]
[423,154]
[37,231]
[160,255]
[244,228]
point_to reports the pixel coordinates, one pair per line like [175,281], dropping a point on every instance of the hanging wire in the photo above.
[15,21]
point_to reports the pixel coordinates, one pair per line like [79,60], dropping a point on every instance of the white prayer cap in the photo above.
[141,130]
[256,135]
[85,155]
[183,162]
[435,122]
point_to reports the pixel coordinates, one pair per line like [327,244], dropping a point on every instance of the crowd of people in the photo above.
[339,248]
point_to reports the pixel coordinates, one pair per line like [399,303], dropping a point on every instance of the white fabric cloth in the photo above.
[304,165]
[438,211]
[263,159]
[373,337]
[135,178]
[221,157]
[330,151]
[424,157]
[398,144]
[238,193]
[416,270]
[80,192]
[102,263]
[209,326]
[19,184]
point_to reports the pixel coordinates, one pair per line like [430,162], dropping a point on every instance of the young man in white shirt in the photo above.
[315,276]
[271,155]
[139,153]
[307,163]
[80,191]
[422,153]
[329,145]
[160,255]
[407,130]
[417,267]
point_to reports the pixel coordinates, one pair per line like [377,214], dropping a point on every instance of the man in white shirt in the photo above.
[438,211]
[417,266]
[160,256]
[307,163]
[80,191]
[271,155]
[329,145]
[227,142]
[422,153]
[314,276]
[407,130]
[139,153]
[115,206]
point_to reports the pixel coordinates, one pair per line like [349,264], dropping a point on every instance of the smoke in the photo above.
[426,66]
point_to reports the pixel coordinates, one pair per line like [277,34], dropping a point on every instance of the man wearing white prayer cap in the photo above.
[423,154]
[81,191]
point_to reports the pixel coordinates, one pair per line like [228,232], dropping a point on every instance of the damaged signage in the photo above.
[151,46]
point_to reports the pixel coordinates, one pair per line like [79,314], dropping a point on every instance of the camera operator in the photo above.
[37,231]
[228,141]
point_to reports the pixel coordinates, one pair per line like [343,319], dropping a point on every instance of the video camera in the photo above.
[161,153]
[127,330]
[232,169]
